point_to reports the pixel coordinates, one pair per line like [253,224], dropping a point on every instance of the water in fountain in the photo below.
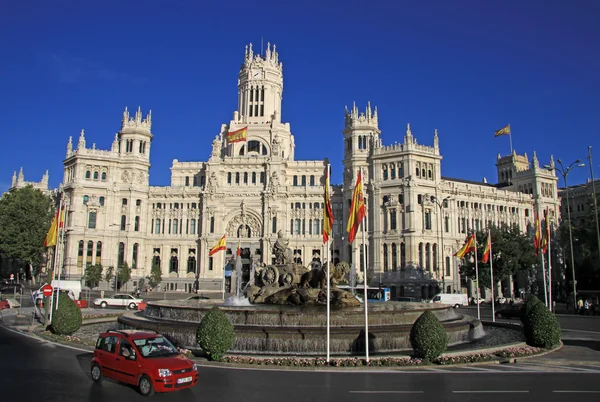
[237,301]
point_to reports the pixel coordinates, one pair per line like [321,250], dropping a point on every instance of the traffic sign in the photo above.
[47,291]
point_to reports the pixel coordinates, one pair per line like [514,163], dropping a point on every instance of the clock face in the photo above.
[256,74]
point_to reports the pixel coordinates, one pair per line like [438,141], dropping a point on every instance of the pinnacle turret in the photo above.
[354,119]
[138,123]
[81,142]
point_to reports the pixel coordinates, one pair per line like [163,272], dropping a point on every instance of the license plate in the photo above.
[184,379]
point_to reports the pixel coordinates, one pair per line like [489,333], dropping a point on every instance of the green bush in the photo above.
[428,337]
[66,319]
[531,302]
[215,334]
[542,328]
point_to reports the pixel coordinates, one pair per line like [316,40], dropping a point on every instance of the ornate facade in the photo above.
[250,190]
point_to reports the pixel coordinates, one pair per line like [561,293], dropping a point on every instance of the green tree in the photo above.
[124,274]
[25,217]
[512,252]
[109,275]
[215,334]
[92,275]
[155,274]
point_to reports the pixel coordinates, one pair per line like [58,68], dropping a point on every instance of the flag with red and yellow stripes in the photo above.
[538,234]
[52,234]
[357,209]
[327,212]
[218,247]
[237,135]
[468,247]
[488,249]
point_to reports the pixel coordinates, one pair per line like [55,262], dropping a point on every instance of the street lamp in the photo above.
[565,172]
[441,268]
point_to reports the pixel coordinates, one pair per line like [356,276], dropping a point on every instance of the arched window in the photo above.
[88,174]
[98,252]
[85,199]
[123,222]
[90,253]
[103,176]
[80,254]
[95,175]
[136,225]
[134,257]
[295,181]
[253,146]
[303,180]
[191,263]
[394,257]
[187,181]
[121,254]
[101,201]
[312,180]
[385,257]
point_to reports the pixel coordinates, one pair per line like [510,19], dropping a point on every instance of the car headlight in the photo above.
[195,367]
[164,372]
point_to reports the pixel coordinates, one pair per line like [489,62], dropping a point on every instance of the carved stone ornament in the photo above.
[273,183]
[216,147]
[125,176]
[249,220]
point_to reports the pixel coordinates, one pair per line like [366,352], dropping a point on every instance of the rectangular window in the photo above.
[274,225]
[136,225]
[135,256]
[212,224]
[428,220]
[262,177]
[210,263]
[193,226]
[157,226]
[393,219]
[92,220]
[123,222]
[175,226]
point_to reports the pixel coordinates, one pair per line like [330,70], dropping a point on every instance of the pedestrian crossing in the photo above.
[525,367]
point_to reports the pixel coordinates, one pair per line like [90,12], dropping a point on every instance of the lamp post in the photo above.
[565,172]
[441,267]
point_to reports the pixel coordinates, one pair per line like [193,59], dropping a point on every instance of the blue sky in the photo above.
[465,67]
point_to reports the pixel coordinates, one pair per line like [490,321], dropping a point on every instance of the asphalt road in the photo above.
[36,370]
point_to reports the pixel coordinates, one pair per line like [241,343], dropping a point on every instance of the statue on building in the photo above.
[283,254]
[216,147]
[275,145]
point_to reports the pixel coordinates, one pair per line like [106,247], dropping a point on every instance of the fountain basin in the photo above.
[293,330]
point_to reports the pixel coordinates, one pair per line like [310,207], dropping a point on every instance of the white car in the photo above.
[118,300]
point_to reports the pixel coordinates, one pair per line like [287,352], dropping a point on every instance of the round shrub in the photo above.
[542,328]
[66,319]
[531,301]
[215,334]
[428,337]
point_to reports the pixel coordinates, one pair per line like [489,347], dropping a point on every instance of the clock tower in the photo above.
[260,87]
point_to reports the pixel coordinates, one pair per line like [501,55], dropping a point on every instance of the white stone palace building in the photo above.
[416,218]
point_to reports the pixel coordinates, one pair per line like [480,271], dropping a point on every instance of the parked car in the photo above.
[144,359]
[11,288]
[118,300]
[509,311]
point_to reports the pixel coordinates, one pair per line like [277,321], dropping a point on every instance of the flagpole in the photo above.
[510,138]
[60,246]
[55,257]
[365,282]
[329,261]
[476,278]
[544,276]
[492,276]
[548,231]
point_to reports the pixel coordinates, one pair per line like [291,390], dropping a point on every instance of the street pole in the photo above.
[594,197]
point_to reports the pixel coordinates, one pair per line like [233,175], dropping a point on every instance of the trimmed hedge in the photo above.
[541,327]
[428,337]
[215,334]
[531,302]
[66,319]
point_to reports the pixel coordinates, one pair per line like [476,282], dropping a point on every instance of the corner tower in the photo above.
[361,136]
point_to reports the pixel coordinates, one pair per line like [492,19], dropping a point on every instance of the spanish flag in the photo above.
[546,235]
[357,209]
[237,135]
[488,249]
[52,234]
[537,241]
[502,131]
[218,247]
[327,212]
[468,247]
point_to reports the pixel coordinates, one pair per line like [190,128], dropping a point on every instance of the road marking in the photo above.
[570,368]
[564,391]
[491,392]
[581,330]
[386,392]
[481,369]
[45,341]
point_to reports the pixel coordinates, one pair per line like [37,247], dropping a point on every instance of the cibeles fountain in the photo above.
[286,314]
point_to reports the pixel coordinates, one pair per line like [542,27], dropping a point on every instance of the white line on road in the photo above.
[570,368]
[386,392]
[481,369]
[564,391]
[491,392]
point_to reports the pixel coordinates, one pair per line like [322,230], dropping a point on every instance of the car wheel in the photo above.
[96,373]
[456,305]
[103,304]
[132,306]
[146,388]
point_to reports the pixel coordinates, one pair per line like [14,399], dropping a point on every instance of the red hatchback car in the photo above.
[142,358]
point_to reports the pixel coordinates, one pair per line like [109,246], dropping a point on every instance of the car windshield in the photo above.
[155,347]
